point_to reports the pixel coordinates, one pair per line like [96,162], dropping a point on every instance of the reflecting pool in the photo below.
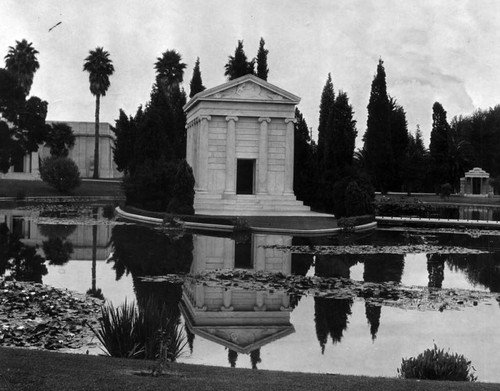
[83,248]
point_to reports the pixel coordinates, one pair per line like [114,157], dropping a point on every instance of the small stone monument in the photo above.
[476,182]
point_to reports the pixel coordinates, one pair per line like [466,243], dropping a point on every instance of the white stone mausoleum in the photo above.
[240,144]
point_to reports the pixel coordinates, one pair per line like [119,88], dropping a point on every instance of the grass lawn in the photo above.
[24,369]
[88,188]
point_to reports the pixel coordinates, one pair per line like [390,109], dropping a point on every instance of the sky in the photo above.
[446,51]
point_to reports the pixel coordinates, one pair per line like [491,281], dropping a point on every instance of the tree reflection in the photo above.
[435,269]
[380,268]
[331,318]
[255,358]
[480,269]
[143,251]
[232,357]
[22,260]
[57,251]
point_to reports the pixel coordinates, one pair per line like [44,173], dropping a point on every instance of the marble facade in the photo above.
[240,143]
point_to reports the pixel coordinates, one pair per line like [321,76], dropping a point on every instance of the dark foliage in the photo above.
[61,173]
[399,143]
[345,203]
[183,193]
[196,85]
[325,110]
[304,171]
[22,260]
[480,130]
[377,138]
[331,318]
[57,251]
[60,139]
[262,69]
[438,146]
[238,65]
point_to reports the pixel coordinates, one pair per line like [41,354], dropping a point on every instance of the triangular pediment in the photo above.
[248,88]
[243,339]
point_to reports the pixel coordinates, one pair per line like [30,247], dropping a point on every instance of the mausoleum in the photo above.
[240,143]
[476,182]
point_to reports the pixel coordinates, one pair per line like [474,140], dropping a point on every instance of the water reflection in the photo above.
[240,320]
[270,328]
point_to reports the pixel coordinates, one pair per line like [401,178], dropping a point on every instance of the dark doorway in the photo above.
[19,164]
[243,256]
[476,185]
[245,174]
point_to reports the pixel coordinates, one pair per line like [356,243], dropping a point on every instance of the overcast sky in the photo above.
[446,50]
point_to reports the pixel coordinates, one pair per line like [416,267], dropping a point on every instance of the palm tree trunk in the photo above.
[96,148]
[94,252]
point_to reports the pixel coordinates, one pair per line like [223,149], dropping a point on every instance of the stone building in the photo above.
[82,154]
[240,143]
[476,182]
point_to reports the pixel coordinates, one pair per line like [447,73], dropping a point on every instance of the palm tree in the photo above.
[21,61]
[99,67]
[169,70]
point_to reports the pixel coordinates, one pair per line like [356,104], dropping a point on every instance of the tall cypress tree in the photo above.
[343,134]
[399,142]
[377,138]
[238,65]
[325,110]
[262,69]
[438,146]
[304,163]
[196,85]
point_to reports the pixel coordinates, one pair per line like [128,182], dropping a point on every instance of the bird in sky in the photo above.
[54,26]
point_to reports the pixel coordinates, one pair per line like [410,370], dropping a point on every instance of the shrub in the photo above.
[435,364]
[151,185]
[61,173]
[446,190]
[149,332]
[352,196]
[183,193]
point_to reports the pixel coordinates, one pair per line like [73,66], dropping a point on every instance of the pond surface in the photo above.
[85,249]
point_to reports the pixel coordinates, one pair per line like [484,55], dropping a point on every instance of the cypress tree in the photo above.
[325,110]
[196,85]
[304,163]
[262,69]
[238,65]
[399,142]
[344,134]
[377,138]
[438,146]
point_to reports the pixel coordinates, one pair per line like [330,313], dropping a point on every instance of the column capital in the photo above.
[207,117]
[231,118]
[288,120]
[264,119]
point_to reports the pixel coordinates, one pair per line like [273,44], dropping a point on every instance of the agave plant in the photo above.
[147,332]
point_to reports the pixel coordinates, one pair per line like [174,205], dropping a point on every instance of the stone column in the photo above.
[263,156]
[189,144]
[230,187]
[289,146]
[35,169]
[202,163]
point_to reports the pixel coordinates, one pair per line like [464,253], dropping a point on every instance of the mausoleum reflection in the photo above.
[241,320]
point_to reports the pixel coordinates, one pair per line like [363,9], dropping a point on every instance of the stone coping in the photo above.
[229,227]
[433,221]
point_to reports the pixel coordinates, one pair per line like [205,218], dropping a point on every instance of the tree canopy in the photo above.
[377,138]
[238,65]
[262,68]
[196,85]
